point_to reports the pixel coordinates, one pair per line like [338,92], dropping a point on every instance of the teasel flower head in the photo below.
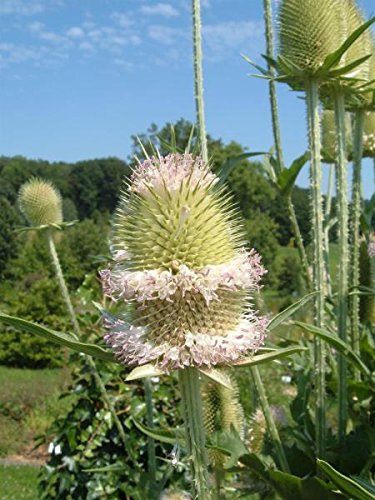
[222,410]
[173,494]
[369,135]
[366,278]
[371,246]
[181,270]
[329,137]
[308,32]
[40,202]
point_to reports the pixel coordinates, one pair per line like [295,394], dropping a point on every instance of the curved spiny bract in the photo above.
[40,202]
[181,269]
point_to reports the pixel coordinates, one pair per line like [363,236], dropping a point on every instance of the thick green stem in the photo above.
[90,361]
[327,214]
[267,7]
[198,77]
[150,442]
[343,244]
[355,220]
[195,432]
[269,419]
[312,101]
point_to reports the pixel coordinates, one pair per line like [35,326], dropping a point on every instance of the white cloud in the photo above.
[21,7]
[36,27]
[75,32]
[159,9]
[228,36]
[125,20]
[164,34]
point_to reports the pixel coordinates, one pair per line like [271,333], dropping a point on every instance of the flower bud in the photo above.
[40,202]
[369,135]
[184,275]
[329,137]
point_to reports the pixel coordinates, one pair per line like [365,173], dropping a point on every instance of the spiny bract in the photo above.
[308,32]
[181,269]
[40,202]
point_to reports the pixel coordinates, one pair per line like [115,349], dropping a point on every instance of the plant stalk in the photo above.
[150,441]
[77,331]
[312,101]
[327,214]
[198,77]
[195,432]
[343,244]
[355,220]
[283,463]
[267,8]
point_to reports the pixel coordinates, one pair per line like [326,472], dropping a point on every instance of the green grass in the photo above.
[18,481]
[29,402]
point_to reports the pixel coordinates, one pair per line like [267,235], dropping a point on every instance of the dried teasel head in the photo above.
[40,202]
[329,137]
[182,271]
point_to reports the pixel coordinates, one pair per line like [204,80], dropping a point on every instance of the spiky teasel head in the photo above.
[309,31]
[369,135]
[173,494]
[329,137]
[222,410]
[40,202]
[182,270]
[367,302]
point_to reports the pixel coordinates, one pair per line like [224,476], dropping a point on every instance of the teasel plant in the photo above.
[184,278]
[312,43]
[279,164]
[41,204]
[364,108]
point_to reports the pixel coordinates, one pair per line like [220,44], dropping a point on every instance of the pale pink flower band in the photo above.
[243,272]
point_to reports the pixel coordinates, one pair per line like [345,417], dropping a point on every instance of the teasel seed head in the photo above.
[256,432]
[222,410]
[369,135]
[367,302]
[181,270]
[329,137]
[309,30]
[40,202]
[173,494]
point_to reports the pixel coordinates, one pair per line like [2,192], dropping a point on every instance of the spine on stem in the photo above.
[195,431]
[198,77]
[343,221]
[355,219]
[312,100]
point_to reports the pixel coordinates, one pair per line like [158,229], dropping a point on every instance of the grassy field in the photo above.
[18,482]
[28,404]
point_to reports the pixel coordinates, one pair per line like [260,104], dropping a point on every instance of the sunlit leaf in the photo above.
[345,484]
[289,311]
[270,356]
[164,436]
[143,371]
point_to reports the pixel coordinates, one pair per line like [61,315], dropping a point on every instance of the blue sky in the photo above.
[78,78]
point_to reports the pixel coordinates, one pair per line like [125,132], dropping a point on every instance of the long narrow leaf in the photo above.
[337,343]
[289,311]
[164,436]
[231,163]
[287,177]
[270,356]
[143,371]
[345,484]
[62,339]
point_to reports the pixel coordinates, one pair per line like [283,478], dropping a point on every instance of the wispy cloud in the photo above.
[21,7]
[159,9]
[227,37]
[166,35]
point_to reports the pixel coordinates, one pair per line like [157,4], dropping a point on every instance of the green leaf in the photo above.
[231,163]
[349,67]
[345,484]
[144,371]
[261,70]
[289,311]
[216,376]
[62,339]
[334,58]
[270,356]
[288,176]
[164,436]
[337,343]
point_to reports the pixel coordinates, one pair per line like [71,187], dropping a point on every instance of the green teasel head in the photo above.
[367,278]
[329,137]
[369,135]
[309,30]
[40,202]
[222,410]
[181,270]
